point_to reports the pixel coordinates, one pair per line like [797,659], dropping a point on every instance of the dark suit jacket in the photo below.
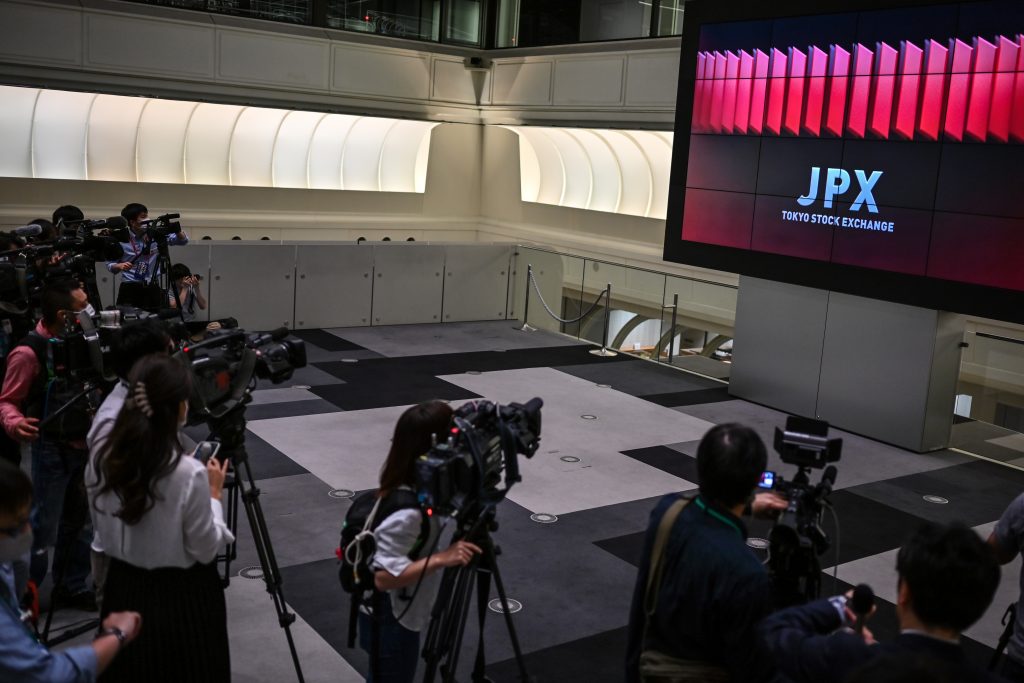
[808,647]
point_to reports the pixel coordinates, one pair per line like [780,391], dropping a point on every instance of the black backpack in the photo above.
[358,544]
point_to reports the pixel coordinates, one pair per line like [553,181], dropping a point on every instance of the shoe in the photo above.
[84,600]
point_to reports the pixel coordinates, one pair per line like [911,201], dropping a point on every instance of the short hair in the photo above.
[730,460]
[15,489]
[47,231]
[139,339]
[133,211]
[67,213]
[179,270]
[58,296]
[950,573]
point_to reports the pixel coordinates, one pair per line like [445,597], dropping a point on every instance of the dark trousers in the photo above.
[1012,670]
[398,650]
[60,514]
[148,297]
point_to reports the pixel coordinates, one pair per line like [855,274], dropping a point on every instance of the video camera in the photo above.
[477,463]
[797,539]
[160,227]
[225,367]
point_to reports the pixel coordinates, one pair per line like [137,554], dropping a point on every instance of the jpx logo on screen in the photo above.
[837,182]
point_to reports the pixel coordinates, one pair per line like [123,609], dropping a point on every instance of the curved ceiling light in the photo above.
[616,171]
[85,136]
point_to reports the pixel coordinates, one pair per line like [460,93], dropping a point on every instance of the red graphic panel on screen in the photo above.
[958,90]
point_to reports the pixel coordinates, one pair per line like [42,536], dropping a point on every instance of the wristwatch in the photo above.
[116,632]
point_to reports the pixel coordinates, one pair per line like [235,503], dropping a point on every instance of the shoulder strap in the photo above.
[37,343]
[668,520]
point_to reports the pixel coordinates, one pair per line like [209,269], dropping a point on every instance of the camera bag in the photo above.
[358,544]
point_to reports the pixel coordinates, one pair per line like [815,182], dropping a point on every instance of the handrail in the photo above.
[1012,340]
[547,250]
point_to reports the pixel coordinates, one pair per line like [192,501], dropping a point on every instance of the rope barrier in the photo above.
[547,308]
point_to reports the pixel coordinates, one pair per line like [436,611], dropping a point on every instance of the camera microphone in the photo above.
[30,230]
[861,604]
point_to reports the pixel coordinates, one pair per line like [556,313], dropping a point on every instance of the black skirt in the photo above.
[184,634]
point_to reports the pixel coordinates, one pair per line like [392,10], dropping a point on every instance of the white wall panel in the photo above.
[588,81]
[111,140]
[604,168]
[345,273]
[616,171]
[551,179]
[41,34]
[135,44]
[58,136]
[291,149]
[453,81]
[359,69]
[398,156]
[575,166]
[252,146]
[476,282]
[161,145]
[326,150]
[651,79]
[521,82]
[255,57]
[209,143]
[360,166]
[16,116]
[636,174]
[407,284]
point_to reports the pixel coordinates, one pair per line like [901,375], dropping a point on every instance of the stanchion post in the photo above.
[604,350]
[526,301]
[672,330]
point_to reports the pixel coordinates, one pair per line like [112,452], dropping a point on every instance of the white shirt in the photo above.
[396,536]
[184,526]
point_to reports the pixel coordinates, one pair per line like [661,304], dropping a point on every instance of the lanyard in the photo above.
[717,515]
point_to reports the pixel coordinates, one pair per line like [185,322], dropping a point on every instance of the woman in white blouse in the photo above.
[158,515]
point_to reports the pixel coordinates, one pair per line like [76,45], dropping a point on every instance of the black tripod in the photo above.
[229,430]
[448,620]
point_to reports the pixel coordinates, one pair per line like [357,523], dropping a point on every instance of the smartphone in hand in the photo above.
[206,450]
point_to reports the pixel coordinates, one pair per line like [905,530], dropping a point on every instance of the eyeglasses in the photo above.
[15,531]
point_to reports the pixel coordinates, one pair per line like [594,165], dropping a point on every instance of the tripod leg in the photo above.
[500,586]
[265,552]
[469,573]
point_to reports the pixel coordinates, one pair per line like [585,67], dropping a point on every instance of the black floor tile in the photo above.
[690,398]
[628,548]
[390,390]
[269,411]
[867,527]
[640,379]
[600,657]
[667,460]
[326,340]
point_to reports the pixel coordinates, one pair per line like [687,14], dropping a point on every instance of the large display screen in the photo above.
[876,152]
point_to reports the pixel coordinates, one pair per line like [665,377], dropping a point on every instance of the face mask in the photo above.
[12,549]
[90,310]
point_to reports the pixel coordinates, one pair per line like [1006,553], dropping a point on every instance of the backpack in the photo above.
[358,544]
[10,448]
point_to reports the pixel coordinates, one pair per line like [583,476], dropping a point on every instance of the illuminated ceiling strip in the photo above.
[215,169]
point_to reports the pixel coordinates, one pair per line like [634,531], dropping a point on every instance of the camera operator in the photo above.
[57,462]
[947,577]
[158,515]
[409,586]
[711,590]
[1007,539]
[135,341]
[65,215]
[22,657]
[186,293]
[139,267]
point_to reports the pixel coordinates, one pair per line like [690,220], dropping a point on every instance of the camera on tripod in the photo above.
[226,365]
[465,470]
[797,539]
[160,227]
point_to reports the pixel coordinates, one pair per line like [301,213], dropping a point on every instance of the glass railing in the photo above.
[669,319]
[989,412]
